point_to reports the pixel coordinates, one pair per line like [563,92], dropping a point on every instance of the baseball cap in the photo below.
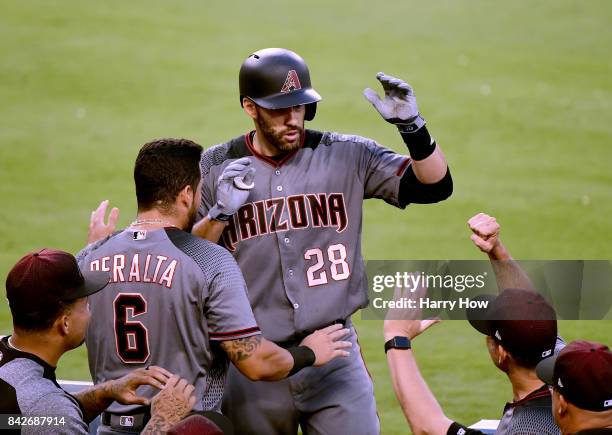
[582,373]
[521,320]
[49,276]
[195,424]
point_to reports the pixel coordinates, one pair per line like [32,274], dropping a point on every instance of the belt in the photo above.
[298,337]
[131,421]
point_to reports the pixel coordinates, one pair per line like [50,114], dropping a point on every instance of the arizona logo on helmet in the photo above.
[292,82]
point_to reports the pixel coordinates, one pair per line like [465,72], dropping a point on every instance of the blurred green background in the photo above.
[518,94]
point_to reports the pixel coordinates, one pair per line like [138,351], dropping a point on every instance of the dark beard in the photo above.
[276,139]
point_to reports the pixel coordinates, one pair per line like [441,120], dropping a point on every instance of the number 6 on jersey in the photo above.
[131,337]
[339,268]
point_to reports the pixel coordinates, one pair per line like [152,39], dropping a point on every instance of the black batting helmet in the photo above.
[275,78]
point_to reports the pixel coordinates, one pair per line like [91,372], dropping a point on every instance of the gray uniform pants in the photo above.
[337,398]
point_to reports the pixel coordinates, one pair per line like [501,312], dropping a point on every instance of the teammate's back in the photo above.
[168,291]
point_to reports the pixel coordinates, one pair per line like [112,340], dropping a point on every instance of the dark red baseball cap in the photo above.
[47,277]
[195,424]
[521,320]
[582,373]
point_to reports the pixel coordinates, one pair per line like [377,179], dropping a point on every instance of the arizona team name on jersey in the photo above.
[317,210]
[152,268]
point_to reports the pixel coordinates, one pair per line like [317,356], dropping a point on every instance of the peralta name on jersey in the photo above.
[150,268]
[298,212]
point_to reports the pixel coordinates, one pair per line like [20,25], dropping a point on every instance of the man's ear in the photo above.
[63,324]
[186,196]
[249,107]
[562,404]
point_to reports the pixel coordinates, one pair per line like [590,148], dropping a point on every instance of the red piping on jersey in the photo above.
[266,159]
[238,332]
[540,392]
[403,166]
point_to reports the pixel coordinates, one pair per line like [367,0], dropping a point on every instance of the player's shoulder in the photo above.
[94,246]
[209,256]
[217,154]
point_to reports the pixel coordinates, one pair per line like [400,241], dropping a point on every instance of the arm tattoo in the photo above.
[166,413]
[241,348]
[93,400]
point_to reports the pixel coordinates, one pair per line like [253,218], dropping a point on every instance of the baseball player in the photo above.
[287,202]
[177,301]
[520,328]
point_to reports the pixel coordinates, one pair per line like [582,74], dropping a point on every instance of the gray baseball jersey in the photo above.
[28,387]
[171,294]
[297,239]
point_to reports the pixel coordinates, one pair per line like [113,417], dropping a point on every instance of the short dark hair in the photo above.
[163,168]
[40,319]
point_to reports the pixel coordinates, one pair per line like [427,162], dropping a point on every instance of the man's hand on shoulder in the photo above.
[98,228]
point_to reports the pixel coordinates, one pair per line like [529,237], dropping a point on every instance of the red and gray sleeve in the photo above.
[391,176]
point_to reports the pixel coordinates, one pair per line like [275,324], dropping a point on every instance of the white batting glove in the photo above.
[233,188]
[399,105]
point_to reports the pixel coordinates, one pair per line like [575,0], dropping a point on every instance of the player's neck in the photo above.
[37,344]
[154,219]
[524,381]
[263,147]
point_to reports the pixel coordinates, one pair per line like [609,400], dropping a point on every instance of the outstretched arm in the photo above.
[508,272]
[420,407]
[262,360]
[428,171]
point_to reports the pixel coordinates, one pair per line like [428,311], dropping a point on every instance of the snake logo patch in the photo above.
[292,82]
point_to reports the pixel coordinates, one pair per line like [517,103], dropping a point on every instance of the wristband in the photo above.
[398,342]
[420,144]
[303,356]
[215,215]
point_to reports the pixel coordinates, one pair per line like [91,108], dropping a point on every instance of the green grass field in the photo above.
[519,95]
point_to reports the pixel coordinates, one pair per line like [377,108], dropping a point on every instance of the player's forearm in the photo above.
[95,400]
[428,161]
[431,169]
[418,403]
[508,273]
[209,229]
[259,359]
[271,362]
[158,424]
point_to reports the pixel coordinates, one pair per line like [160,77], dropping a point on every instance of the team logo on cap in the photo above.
[498,335]
[546,353]
[292,82]
[559,383]
[608,403]
[1,356]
